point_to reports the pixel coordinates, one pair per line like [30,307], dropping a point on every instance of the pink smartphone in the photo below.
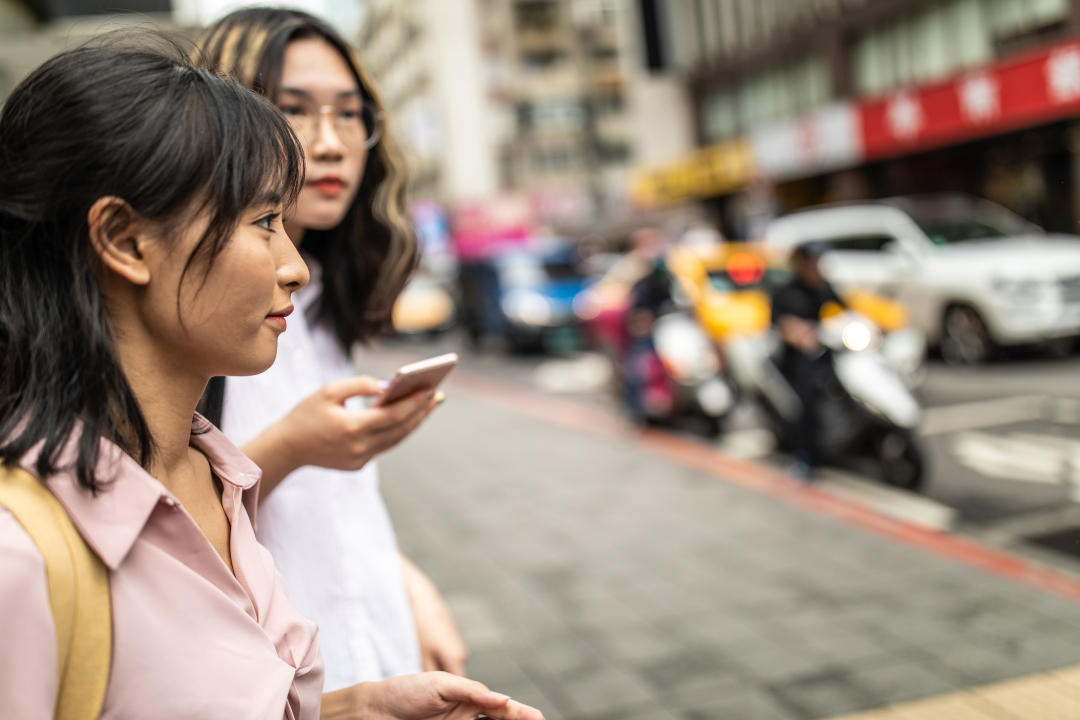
[417,376]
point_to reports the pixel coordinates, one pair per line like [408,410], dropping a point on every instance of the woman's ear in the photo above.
[116,235]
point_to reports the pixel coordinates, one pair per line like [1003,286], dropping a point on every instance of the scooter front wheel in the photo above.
[901,458]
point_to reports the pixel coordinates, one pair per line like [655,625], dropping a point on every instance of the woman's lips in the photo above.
[330,187]
[277,319]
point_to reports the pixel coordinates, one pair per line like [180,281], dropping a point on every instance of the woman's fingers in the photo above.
[454,689]
[399,418]
[341,390]
[370,432]
[493,704]
[389,437]
[512,710]
[450,697]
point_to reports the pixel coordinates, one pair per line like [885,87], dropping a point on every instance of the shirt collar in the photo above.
[113,519]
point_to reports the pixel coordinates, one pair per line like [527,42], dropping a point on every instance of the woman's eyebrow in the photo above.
[346,94]
[296,91]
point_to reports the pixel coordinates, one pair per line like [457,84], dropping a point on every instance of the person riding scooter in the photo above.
[796,315]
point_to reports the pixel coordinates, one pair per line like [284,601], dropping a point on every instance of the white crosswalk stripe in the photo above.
[1024,457]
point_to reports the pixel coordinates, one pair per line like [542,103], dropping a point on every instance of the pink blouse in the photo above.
[190,639]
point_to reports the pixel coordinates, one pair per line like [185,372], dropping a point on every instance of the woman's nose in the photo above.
[292,271]
[326,143]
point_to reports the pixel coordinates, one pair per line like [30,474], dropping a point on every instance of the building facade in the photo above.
[807,101]
[532,98]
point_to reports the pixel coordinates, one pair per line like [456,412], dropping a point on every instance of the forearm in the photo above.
[441,645]
[414,576]
[274,455]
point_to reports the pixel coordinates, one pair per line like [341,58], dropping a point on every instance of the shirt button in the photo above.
[172,502]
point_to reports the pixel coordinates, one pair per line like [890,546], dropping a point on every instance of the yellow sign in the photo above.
[710,171]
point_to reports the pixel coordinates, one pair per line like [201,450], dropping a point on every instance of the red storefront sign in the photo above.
[1028,90]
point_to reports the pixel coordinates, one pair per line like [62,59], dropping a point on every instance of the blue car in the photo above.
[536,293]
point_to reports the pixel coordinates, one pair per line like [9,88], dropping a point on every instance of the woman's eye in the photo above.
[267,222]
[348,114]
[291,110]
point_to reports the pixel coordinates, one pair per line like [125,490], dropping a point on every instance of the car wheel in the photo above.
[964,338]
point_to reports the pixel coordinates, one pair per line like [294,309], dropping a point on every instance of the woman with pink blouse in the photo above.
[142,252]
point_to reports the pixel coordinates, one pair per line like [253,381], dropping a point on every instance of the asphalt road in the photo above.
[1002,440]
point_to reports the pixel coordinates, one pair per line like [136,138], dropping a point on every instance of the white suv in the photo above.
[972,274]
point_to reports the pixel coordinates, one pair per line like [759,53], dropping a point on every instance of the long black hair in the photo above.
[134,121]
[367,259]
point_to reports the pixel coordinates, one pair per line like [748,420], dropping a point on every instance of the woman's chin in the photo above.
[323,216]
[257,362]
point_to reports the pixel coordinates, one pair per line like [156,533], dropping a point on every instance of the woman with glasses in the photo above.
[304,421]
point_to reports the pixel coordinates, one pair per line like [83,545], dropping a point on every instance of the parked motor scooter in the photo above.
[867,410]
[681,376]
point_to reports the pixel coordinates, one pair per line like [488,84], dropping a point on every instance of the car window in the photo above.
[723,280]
[868,243]
[951,220]
[952,231]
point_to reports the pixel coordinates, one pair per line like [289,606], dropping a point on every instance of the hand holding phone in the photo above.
[417,376]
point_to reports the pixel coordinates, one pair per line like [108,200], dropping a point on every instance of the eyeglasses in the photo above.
[357,126]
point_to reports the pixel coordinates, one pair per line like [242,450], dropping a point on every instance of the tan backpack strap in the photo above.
[78,593]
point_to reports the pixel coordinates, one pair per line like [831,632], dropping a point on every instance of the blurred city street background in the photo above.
[609,195]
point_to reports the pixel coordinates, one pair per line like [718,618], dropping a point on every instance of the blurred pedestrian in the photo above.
[304,421]
[648,394]
[796,314]
[142,252]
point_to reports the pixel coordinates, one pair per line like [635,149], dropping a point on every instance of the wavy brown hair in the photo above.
[367,259]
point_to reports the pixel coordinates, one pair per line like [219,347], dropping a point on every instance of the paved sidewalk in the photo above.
[597,579]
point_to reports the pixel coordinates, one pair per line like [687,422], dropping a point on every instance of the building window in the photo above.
[1013,17]
[771,96]
[608,103]
[719,116]
[556,114]
[537,15]
[945,39]
[930,45]
[612,152]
